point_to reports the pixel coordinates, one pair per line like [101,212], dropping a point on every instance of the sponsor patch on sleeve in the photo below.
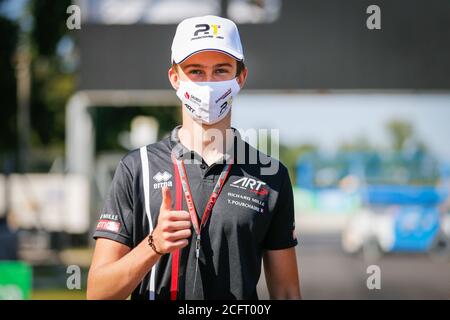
[108,225]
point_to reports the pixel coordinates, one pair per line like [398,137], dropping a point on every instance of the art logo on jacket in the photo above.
[252,185]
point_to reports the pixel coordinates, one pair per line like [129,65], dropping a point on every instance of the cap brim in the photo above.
[235,55]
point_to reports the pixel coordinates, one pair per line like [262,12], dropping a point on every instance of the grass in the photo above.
[58,294]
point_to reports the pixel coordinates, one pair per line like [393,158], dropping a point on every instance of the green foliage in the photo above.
[400,131]
[290,155]
[109,122]
[51,86]
[49,24]
[8,100]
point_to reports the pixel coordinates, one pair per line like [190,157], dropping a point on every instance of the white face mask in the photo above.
[208,102]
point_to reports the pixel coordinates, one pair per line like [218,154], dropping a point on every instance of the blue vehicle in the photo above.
[400,196]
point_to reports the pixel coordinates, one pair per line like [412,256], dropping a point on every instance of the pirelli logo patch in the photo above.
[108,225]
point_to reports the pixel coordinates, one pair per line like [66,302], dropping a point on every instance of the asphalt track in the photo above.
[329,273]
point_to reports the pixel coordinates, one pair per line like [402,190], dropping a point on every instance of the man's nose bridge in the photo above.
[209,75]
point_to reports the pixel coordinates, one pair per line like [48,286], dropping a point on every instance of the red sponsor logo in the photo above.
[260,192]
[108,225]
[186,94]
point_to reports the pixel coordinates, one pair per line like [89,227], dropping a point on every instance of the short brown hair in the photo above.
[240,67]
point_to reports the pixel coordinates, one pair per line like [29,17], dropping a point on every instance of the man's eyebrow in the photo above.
[194,65]
[197,65]
[223,65]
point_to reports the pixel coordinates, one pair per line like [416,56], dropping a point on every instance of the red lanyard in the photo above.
[190,202]
[181,177]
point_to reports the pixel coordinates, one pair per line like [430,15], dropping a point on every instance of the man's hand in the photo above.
[113,260]
[173,228]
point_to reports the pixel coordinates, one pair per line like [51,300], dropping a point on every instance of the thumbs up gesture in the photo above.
[173,228]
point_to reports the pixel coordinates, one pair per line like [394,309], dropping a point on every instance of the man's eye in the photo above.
[195,71]
[221,71]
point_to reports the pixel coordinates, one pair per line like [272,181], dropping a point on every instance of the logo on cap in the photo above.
[205,29]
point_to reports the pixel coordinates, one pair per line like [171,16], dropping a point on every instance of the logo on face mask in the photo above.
[192,98]
[205,100]
[189,108]
[224,95]
[224,106]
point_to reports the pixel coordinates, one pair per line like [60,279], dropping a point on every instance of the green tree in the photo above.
[400,132]
[8,101]
[52,86]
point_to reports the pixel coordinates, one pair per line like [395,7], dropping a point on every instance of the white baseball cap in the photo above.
[206,33]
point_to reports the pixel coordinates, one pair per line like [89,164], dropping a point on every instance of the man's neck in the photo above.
[209,141]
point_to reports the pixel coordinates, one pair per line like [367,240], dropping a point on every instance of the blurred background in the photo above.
[363,118]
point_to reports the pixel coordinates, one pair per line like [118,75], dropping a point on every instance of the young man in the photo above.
[191,216]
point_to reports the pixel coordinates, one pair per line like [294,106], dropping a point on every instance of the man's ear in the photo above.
[242,77]
[173,78]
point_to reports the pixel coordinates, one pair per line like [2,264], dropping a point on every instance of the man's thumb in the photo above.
[166,203]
